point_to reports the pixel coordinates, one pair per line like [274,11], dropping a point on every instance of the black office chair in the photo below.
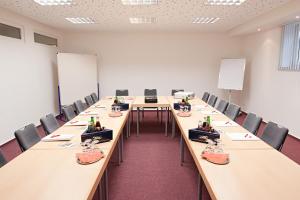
[205,97]
[150,92]
[49,123]
[222,106]
[274,135]
[88,100]
[176,90]
[252,123]
[212,100]
[79,106]
[122,92]
[27,137]
[232,111]
[94,97]
[69,112]
[2,160]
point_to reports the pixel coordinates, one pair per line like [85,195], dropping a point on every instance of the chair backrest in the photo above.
[27,137]
[122,92]
[79,106]
[176,90]
[49,123]
[2,160]
[274,135]
[69,112]
[252,123]
[150,92]
[212,100]
[222,106]
[88,100]
[232,111]
[94,97]
[205,97]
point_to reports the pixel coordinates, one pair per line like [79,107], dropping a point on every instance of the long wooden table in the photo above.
[48,171]
[255,171]
[162,102]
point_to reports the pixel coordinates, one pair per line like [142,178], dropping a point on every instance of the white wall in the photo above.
[136,61]
[28,77]
[273,94]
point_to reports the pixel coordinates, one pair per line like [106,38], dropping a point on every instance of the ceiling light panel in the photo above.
[139,2]
[205,20]
[142,20]
[224,2]
[54,2]
[81,20]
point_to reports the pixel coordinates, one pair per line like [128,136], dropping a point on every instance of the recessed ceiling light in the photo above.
[297,17]
[139,2]
[224,2]
[81,20]
[142,20]
[205,20]
[54,2]
[259,29]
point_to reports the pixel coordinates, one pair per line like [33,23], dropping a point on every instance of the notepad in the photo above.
[224,123]
[209,112]
[77,123]
[242,137]
[200,107]
[57,137]
[99,106]
[92,112]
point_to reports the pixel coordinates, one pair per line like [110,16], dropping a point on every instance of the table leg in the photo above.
[173,127]
[200,185]
[100,190]
[129,124]
[166,123]
[106,184]
[181,151]
[161,114]
[119,151]
[138,121]
[122,147]
[127,127]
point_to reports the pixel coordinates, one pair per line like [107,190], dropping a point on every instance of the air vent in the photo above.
[10,31]
[43,39]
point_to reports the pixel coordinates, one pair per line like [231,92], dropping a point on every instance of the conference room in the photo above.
[150,99]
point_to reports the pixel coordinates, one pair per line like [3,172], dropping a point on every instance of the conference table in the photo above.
[255,170]
[50,171]
[162,102]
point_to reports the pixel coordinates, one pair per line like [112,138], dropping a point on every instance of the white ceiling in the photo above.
[172,15]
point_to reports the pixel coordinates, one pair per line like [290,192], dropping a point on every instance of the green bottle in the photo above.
[208,121]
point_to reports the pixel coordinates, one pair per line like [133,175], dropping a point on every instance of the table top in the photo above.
[162,101]
[255,171]
[49,171]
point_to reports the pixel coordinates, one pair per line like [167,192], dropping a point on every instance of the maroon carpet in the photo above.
[151,167]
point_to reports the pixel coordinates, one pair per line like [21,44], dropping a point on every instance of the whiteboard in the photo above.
[77,76]
[231,75]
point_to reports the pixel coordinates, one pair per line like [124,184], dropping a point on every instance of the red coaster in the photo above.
[216,158]
[184,114]
[115,114]
[90,157]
